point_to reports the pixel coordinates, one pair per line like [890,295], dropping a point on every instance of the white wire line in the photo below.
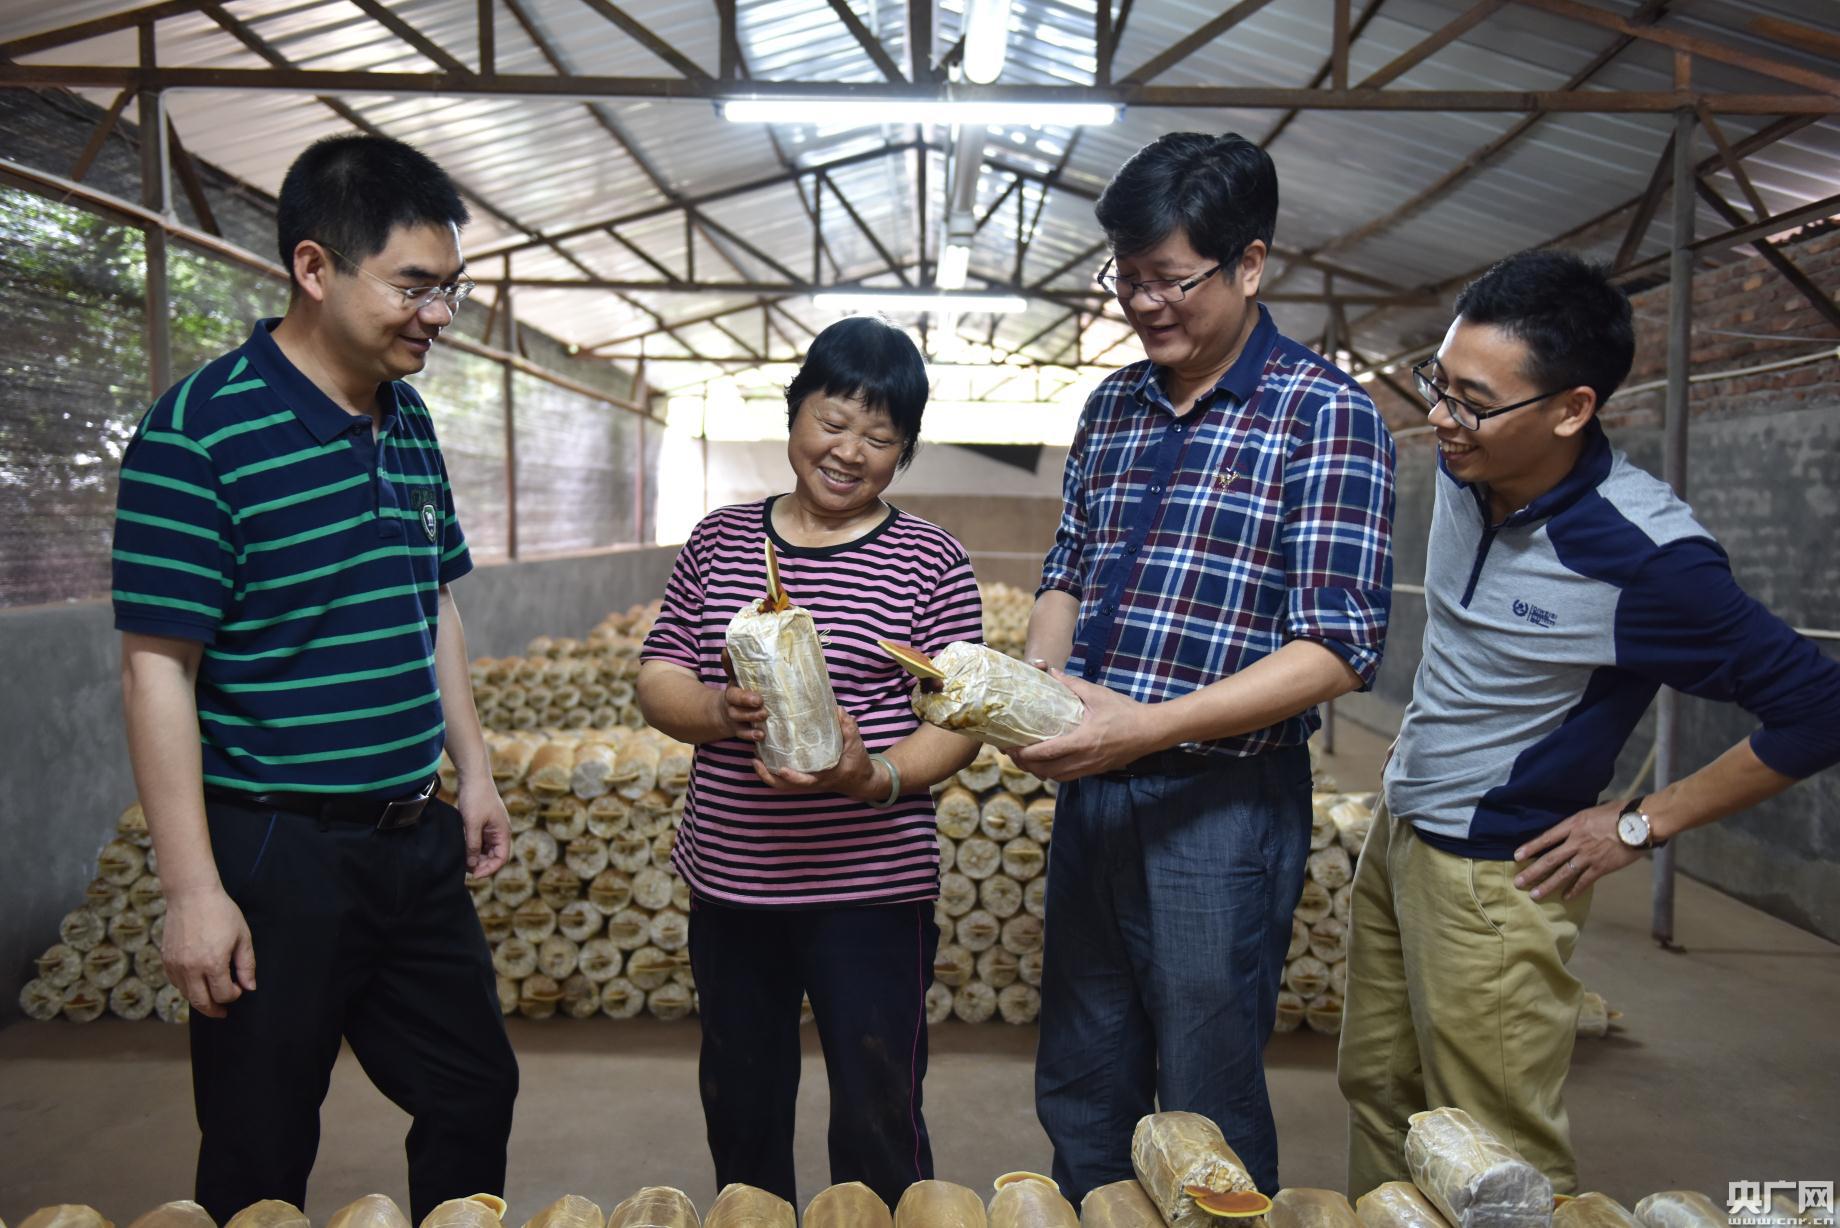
[1699,329]
[1707,377]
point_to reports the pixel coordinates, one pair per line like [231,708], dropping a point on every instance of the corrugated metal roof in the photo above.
[548,165]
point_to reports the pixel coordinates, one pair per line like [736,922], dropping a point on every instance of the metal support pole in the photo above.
[510,385]
[703,439]
[1674,472]
[920,158]
[817,230]
[156,196]
[639,488]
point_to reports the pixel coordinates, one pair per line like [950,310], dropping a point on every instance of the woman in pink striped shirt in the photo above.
[818,886]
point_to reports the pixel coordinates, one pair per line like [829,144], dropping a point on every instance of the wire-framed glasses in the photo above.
[415,298]
[1157,290]
[1468,416]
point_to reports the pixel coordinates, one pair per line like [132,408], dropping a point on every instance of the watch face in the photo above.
[1632,829]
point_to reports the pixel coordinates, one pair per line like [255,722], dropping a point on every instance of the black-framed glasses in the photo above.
[415,298]
[1157,290]
[1467,416]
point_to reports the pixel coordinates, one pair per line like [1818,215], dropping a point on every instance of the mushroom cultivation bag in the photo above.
[983,694]
[775,650]
[1473,1177]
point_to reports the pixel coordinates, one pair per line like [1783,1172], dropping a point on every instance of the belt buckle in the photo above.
[405,811]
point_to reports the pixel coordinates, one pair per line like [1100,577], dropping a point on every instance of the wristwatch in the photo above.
[1632,826]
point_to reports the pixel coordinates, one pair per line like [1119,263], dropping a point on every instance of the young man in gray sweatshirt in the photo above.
[1564,586]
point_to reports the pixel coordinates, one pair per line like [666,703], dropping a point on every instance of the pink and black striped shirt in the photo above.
[741,843]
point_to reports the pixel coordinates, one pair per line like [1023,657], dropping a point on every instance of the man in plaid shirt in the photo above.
[1223,565]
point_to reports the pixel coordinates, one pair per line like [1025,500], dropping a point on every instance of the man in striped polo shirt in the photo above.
[292,663]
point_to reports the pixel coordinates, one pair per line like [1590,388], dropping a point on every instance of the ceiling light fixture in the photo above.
[866,112]
[986,39]
[954,263]
[909,301]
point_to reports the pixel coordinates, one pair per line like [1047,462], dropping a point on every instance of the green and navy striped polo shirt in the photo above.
[259,518]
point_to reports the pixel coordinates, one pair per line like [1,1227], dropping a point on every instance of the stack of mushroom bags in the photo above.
[107,956]
[563,682]
[1006,617]
[1186,1176]
[1316,971]
[588,917]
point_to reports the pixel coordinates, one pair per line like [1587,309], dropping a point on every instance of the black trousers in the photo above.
[866,970]
[364,935]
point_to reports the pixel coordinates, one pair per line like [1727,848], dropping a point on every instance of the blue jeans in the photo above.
[1168,919]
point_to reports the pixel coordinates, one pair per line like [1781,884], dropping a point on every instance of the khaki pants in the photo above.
[1458,994]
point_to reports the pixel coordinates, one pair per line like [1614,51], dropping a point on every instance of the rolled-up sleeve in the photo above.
[1338,532]
[1062,569]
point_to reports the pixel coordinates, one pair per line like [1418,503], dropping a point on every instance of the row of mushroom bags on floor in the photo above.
[1186,1176]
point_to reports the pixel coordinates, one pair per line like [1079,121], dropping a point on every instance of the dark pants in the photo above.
[1169,916]
[370,936]
[866,970]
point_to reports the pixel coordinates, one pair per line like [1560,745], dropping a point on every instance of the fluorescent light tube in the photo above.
[954,263]
[870,300]
[866,112]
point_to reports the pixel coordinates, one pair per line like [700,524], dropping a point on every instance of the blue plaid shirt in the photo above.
[1200,543]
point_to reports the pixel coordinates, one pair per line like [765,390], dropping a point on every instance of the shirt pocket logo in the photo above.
[428,512]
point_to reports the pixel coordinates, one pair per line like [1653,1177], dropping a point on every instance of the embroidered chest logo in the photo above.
[1534,614]
[428,513]
[1225,478]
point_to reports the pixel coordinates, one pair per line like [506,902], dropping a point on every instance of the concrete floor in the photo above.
[1723,1069]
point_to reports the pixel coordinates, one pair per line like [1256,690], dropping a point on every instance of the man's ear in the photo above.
[1577,409]
[312,269]
[1251,270]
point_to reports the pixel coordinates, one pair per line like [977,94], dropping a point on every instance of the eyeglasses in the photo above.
[1157,290]
[1467,416]
[415,299]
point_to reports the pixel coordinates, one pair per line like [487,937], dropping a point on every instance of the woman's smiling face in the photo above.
[843,453]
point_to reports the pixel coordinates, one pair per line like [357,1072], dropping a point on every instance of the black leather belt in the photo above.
[382,814]
[1171,762]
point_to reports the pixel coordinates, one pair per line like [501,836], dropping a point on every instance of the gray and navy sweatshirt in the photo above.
[1548,634]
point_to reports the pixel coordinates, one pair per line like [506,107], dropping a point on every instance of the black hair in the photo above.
[348,193]
[1575,322]
[868,358]
[1222,191]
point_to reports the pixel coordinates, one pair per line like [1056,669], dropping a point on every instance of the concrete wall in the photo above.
[65,776]
[504,605]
